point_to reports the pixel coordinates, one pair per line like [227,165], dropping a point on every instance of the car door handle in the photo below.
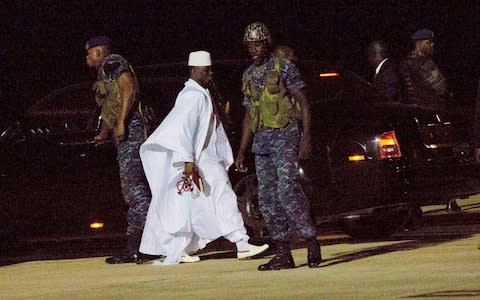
[75,143]
[83,143]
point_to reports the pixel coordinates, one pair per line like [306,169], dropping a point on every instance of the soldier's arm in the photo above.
[245,140]
[126,84]
[435,78]
[305,143]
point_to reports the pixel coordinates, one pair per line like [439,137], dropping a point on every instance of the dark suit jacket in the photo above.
[387,81]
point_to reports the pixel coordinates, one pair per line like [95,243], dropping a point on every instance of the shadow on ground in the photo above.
[223,249]
[448,294]
[397,245]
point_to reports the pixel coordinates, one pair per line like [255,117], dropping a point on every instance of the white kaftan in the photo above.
[182,224]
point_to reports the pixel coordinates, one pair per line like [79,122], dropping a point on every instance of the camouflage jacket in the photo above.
[107,91]
[424,84]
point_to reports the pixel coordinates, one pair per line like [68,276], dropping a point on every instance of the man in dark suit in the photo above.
[385,80]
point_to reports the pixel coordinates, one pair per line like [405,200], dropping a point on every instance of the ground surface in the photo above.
[440,260]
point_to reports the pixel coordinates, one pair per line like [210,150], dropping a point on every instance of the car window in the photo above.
[335,83]
[72,98]
[159,93]
[72,107]
[326,86]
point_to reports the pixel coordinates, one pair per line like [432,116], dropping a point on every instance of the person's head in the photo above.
[97,49]
[200,67]
[377,51]
[284,51]
[258,41]
[423,42]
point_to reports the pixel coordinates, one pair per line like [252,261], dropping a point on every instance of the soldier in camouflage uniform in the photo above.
[423,83]
[116,92]
[271,86]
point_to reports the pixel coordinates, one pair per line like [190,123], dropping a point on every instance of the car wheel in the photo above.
[372,227]
[247,199]
[414,220]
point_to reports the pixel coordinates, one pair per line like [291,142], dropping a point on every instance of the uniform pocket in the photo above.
[272,82]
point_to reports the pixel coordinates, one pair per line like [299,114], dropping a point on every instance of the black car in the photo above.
[373,164]
[54,180]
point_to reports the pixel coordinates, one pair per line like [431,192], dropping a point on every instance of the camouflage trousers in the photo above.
[135,189]
[282,204]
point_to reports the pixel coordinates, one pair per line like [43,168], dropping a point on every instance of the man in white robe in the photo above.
[191,139]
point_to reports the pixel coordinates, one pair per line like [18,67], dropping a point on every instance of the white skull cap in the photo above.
[199,59]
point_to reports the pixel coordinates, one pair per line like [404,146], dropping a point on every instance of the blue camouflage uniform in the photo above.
[283,205]
[135,189]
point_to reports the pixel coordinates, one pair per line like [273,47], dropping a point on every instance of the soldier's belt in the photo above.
[290,124]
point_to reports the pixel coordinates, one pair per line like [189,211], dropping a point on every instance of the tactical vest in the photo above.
[107,96]
[273,107]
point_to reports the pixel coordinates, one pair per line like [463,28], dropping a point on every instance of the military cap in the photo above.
[422,34]
[97,41]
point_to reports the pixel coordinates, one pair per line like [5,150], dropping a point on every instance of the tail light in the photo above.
[388,145]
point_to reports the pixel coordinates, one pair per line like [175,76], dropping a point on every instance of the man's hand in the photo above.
[103,135]
[245,140]
[305,150]
[190,167]
[99,139]
[239,163]
[119,132]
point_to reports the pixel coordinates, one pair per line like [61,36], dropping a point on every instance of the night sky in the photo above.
[42,42]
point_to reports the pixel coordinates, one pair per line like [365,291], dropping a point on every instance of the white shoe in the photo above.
[252,251]
[189,259]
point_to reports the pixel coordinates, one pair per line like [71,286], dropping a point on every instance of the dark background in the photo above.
[42,42]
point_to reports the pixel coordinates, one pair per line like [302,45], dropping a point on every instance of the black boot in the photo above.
[314,253]
[130,254]
[123,258]
[282,260]
[135,257]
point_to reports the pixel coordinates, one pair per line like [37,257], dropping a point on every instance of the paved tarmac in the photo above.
[440,260]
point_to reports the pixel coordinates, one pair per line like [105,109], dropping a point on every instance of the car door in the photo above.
[57,178]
